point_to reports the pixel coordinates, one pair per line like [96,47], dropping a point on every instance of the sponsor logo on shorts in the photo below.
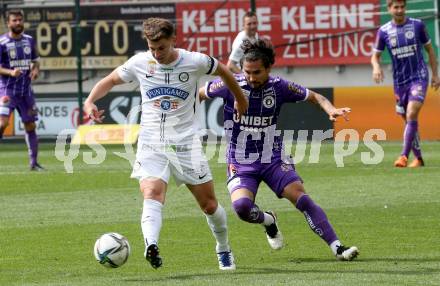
[232,170]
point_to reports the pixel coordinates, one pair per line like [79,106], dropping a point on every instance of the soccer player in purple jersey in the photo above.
[254,155]
[405,37]
[19,66]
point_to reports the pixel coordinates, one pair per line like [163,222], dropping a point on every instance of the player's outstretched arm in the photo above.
[377,70]
[99,91]
[435,81]
[328,107]
[241,102]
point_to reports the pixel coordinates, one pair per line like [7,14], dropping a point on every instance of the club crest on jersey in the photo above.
[167,91]
[183,76]
[393,41]
[27,50]
[12,53]
[409,34]
[151,67]
[268,101]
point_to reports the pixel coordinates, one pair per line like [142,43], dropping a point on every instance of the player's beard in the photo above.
[17,29]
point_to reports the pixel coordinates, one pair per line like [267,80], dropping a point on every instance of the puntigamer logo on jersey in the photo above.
[168,91]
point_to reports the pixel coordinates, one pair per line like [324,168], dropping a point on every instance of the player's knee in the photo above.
[411,116]
[29,126]
[246,209]
[153,193]
[209,207]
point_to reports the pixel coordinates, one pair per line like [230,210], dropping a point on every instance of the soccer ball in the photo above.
[112,250]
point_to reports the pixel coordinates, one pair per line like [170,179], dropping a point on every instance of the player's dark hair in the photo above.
[158,28]
[15,12]
[262,49]
[249,14]
[390,2]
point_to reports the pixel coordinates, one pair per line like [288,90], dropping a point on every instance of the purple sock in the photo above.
[32,143]
[316,218]
[408,136]
[416,146]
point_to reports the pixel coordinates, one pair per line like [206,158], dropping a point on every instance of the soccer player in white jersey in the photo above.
[250,25]
[168,142]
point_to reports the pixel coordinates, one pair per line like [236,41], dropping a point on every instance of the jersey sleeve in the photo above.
[237,52]
[127,71]
[379,43]
[423,34]
[293,92]
[216,88]
[1,55]
[206,65]
[34,51]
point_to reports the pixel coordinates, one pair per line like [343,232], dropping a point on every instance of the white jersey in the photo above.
[237,53]
[169,94]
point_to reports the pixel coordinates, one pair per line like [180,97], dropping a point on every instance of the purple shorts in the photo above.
[277,175]
[414,91]
[25,106]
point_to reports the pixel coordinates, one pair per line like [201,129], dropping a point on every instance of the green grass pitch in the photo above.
[49,222]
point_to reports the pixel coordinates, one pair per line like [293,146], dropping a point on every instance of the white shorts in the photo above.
[187,163]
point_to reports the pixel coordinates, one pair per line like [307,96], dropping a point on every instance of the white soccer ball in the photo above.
[112,250]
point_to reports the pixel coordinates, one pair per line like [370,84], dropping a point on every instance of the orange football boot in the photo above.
[401,162]
[417,163]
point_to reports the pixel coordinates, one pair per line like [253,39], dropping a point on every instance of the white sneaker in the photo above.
[273,234]
[226,260]
[346,253]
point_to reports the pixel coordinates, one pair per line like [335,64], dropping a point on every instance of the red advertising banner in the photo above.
[304,32]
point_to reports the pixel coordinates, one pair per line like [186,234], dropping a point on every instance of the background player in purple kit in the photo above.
[405,37]
[254,154]
[19,66]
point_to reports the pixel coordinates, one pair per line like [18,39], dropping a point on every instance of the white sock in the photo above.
[219,229]
[268,219]
[334,246]
[151,221]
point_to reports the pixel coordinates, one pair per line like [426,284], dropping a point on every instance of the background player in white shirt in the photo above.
[168,142]
[250,25]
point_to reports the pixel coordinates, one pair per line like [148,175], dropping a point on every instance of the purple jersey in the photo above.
[17,54]
[405,44]
[253,136]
